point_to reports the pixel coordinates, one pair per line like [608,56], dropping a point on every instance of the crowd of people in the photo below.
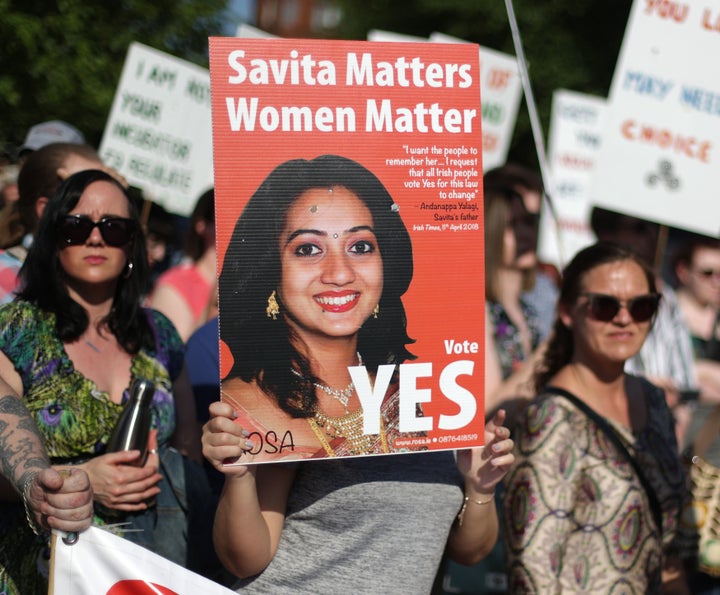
[597,377]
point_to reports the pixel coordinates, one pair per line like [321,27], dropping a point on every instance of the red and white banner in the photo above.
[101,563]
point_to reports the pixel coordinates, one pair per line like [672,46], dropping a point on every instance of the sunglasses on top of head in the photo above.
[604,307]
[74,230]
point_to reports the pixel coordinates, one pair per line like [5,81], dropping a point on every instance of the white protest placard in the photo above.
[501,91]
[159,133]
[660,158]
[573,145]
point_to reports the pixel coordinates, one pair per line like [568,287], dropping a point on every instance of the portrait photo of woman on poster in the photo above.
[311,284]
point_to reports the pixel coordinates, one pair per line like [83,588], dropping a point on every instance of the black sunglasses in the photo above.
[115,231]
[709,273]
[605,307]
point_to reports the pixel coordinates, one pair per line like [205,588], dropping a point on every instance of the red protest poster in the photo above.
[350,245]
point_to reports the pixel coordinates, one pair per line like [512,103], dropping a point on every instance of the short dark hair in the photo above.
[685,250]
[632,233]
[38,176]
[43,279]
[261,347]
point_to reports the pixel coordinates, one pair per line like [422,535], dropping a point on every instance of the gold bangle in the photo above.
[461,514]
[468,499]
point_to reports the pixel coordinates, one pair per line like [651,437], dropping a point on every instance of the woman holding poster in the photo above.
[592,503]
[353,525]
[310,291]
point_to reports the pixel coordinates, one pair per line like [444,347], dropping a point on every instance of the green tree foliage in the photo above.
[569,44]
[62,59]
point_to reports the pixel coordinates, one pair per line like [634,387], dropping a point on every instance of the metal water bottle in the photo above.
[133,427]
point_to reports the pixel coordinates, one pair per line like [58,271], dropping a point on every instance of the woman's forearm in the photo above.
[21,449]
[250,517]
[241,536]
[474,534]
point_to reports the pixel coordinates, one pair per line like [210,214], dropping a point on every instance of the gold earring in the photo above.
[376,311]
[273,309]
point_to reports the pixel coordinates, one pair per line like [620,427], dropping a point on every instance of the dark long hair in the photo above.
[561,345]
[43,278]
[261,347]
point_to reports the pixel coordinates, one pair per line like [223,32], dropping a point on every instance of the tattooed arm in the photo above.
[51,500]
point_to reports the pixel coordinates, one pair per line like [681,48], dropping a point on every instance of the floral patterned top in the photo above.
[74,418]
[576,518]
[506,336]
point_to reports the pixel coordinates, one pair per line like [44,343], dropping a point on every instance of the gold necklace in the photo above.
[349,427]
[321,437]
[341,395]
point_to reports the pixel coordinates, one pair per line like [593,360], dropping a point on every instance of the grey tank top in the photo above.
[364,525]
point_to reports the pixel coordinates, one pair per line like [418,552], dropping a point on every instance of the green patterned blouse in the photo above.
[74,417]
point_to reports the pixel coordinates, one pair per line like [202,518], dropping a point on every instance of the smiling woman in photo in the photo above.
[311,285]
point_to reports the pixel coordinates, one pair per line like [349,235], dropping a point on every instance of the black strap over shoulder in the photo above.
[712,347]
[603,424]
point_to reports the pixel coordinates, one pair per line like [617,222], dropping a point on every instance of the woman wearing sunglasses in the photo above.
[70,345]
[591,504]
